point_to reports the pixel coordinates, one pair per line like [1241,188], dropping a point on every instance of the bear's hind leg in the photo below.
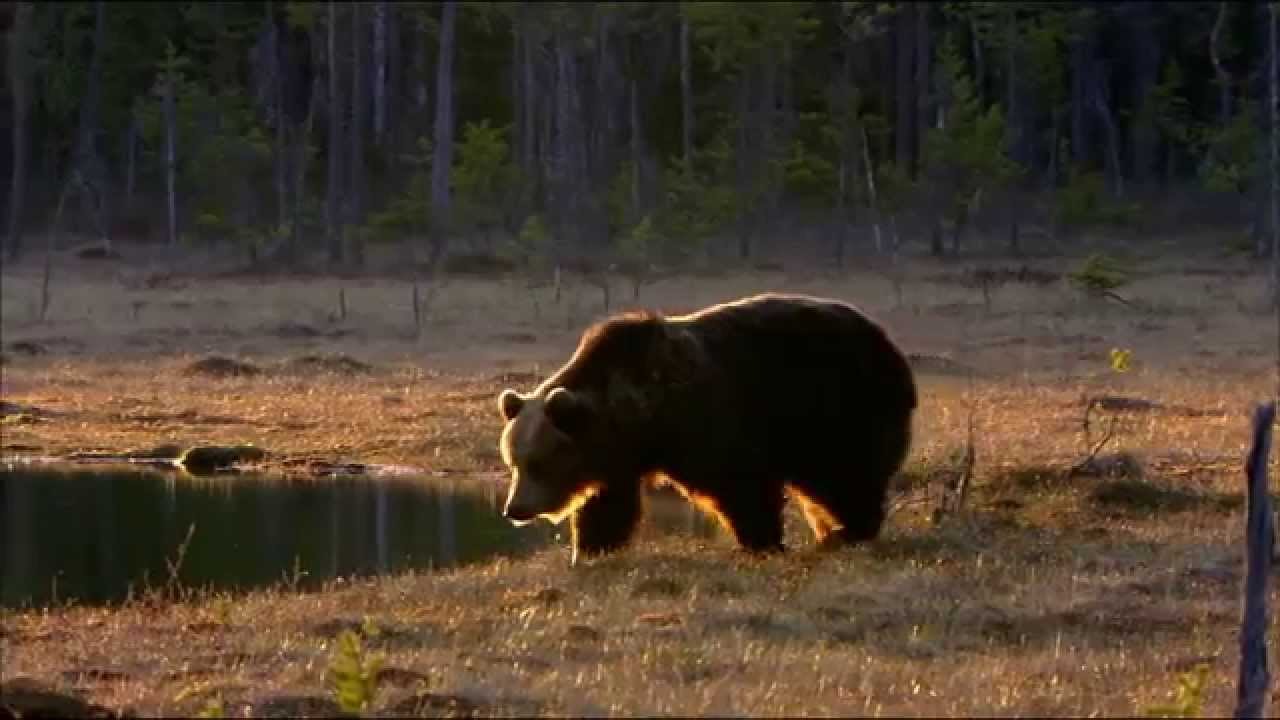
[606,521]
[857,513]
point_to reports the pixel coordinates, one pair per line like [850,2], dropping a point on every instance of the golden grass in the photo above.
[1048,597]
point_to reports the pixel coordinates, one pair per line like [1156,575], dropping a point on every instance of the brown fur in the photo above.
[735,405]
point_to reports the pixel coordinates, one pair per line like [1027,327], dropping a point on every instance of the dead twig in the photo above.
[1092,448]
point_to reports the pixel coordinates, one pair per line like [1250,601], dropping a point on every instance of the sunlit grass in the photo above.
[1049,595]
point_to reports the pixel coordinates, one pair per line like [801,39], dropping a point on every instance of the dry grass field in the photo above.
[1047,595]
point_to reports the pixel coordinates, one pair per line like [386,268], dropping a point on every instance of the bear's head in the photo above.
[547,444]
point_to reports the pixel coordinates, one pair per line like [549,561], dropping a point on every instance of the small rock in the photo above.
[213,458]
[583,634]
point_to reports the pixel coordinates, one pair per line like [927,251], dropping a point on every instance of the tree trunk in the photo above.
[871,190]
[358,110]
[302,90]
[686,89]
[392,96]
[1102,105]
[1013,139]
[379,72]
[333,210]
[1081,77]
[979,64]
[924,50]
[89,170]
[19,41]
[744,165]
[1146,75]
[171,153]
[904,88]
[280,148]
[568,138]
[442,158]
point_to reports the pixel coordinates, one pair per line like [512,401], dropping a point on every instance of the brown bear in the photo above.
[736,405]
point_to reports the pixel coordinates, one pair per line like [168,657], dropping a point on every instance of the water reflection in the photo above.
[91,536]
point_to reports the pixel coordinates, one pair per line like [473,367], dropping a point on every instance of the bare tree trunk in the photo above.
[281,151]
[19,41]
[871,190]
[637,149]
[1223,76]
[130,159]
[358,110]
[333,211]
[924,50]
[979,64]
[529,104]
[1275,164]
[442,159]
[379,71]
[171,153]
[686,88]
[520,139]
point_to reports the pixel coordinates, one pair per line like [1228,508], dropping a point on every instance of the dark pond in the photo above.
[93,536]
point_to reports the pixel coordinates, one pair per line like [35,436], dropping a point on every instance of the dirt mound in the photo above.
[219,366]
[301,331]
[335,364]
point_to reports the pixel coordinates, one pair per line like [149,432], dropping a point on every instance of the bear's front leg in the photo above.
[607,521]
[755,521]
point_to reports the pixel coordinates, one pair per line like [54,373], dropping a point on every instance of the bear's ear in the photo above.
[510,402]
[567,410]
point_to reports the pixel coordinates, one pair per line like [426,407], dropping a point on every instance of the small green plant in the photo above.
[213,708]
[531,247]
[636,248]
[1188,700]
[407,214]
[1083,202]
[1100,274]
[353,673]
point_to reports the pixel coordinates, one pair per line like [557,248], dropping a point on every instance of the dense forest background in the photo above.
[664,132]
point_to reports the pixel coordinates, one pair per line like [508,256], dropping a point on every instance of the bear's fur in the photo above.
[736,405]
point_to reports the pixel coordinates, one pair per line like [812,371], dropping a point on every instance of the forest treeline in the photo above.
[657,131]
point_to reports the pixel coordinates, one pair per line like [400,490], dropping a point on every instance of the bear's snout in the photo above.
[522,506]
[519,514]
